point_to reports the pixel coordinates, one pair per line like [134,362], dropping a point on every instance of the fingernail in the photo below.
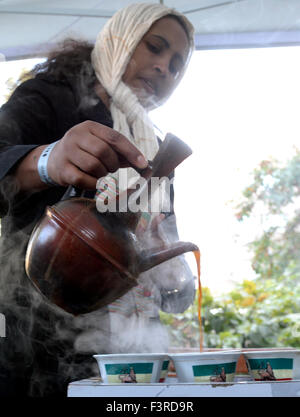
[142,162]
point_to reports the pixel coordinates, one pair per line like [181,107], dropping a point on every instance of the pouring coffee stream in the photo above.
[81,259]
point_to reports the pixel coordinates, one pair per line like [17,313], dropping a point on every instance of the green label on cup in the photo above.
[129,372]
[221,372]
[271,369]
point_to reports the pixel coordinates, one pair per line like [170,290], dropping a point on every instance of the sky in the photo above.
[234,108]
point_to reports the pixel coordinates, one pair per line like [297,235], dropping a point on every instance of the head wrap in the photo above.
[113,49]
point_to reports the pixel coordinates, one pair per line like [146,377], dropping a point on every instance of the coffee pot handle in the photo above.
[170,154]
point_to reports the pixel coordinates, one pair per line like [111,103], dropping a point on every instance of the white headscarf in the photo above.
[113,49]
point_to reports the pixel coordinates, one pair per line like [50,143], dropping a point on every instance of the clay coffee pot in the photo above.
[81,259]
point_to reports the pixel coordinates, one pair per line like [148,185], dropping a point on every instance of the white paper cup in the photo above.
[273,364]
[213,367]
[133,368]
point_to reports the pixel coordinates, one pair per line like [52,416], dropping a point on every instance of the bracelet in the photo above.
[42,165]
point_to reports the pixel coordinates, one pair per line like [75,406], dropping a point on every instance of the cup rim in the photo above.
[112,356]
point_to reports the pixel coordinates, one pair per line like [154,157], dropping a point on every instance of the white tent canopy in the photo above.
[30,28]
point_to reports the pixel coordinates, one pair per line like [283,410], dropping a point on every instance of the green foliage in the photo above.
[255,314]
[264,312]
[274,196]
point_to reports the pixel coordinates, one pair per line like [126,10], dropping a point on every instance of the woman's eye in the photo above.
[154,48]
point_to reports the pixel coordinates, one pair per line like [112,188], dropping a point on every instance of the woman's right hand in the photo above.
[87,152]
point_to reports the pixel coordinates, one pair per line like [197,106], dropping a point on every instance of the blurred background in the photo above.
[237,196]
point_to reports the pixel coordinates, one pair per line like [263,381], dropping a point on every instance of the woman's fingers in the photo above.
[101,151]
[89,151]
[119,143]
[74,176]
[90,164]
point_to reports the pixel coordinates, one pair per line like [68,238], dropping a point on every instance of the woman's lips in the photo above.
[148,86]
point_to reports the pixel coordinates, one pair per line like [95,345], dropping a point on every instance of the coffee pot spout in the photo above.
[155,256]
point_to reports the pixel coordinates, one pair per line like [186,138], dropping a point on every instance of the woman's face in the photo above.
[157,61]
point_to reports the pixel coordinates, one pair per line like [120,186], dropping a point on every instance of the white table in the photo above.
[95,388]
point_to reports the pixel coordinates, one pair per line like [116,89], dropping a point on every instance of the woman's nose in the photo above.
[162,66]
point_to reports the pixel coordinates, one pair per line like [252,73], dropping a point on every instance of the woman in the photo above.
[86,110]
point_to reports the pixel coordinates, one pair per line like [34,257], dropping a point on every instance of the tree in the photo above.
[274,195]
[265,311]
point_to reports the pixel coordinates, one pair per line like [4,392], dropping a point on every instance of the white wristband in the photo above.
[42,165]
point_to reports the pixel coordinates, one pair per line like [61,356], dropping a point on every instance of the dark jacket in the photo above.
[38,357]
[38,336]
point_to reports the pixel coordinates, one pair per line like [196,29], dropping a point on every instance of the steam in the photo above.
[148,101]
[131,323]
[47,347]
[39,334]
[85,88]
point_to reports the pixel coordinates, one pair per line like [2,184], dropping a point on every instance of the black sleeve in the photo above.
[27,120]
